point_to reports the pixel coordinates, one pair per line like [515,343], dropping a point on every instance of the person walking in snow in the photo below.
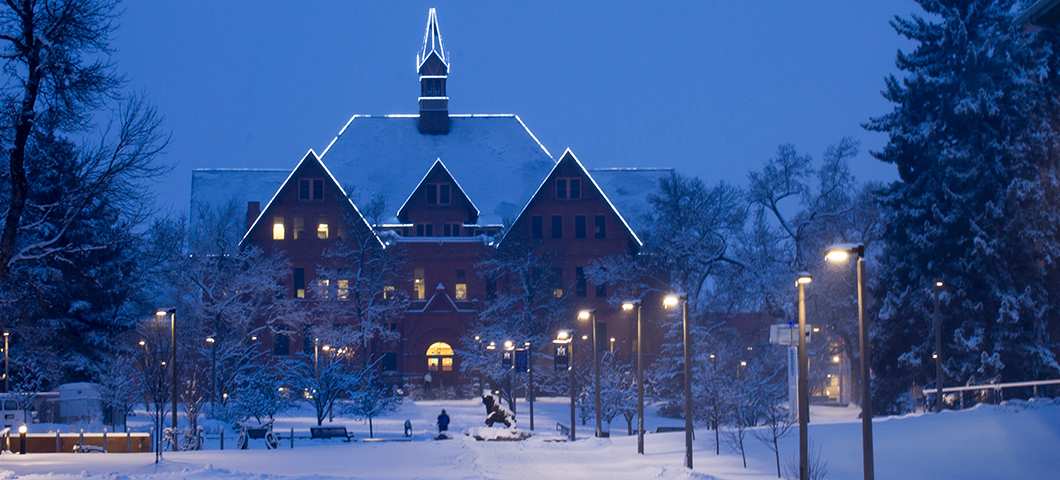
[443,422]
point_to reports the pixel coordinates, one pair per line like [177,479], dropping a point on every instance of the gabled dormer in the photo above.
[571,214]
[310,207]
[433,68]
[438,206]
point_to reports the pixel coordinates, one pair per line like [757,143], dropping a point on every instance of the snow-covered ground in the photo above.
[1018,440]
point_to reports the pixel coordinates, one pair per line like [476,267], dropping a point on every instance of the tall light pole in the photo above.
[530,370]
[672,301]
[6,336]
[804,397]
[585,315]
[213,370]
[510,346]
[938,351]
[564,337]
[640,376]
[172,355]
[838,253]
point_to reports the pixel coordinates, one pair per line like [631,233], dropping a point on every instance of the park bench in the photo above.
[330,432]
[563,429]
[669,429]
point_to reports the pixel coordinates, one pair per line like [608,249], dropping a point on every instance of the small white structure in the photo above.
[79,402]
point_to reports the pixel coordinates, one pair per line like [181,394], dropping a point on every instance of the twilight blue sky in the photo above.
[709,87]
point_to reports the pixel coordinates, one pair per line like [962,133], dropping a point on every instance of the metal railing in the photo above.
[996,388]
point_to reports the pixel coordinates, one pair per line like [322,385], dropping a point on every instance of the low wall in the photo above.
[64,443]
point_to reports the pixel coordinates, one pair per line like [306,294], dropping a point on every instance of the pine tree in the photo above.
[973,137]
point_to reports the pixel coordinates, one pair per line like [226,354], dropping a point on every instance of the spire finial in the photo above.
[432,42]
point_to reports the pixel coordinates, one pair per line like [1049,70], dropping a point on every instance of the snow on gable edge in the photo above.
[313,155]
[591,179]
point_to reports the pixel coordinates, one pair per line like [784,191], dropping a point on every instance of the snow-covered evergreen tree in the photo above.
[973,136]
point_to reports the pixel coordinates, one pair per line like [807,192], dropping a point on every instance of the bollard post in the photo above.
[128,441]
[222,437]
[58,442]
[104,439]
[292,437]
[22,439]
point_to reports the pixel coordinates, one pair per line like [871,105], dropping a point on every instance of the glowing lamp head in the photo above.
[583,315]
[937,284]
[209,340]
[585,337]
[326,347]
[161,313]
[491,346]
[563,335]
[670,301]
[743,364]
[254,338]
[22,429]
[142,343]
[627,306]
[934,355]
[508,344]
[476,338]
[712,355]
[837,256]
[835,359]
[804,278]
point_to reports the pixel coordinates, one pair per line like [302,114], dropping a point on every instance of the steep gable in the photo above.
[568,190]
[311,184]
[439,190]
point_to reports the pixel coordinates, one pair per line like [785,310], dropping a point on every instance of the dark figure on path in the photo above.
[443,422]
[408,428]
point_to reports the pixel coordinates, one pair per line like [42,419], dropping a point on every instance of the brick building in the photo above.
[444,192]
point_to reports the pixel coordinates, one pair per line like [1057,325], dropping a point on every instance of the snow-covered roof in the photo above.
[628,190]
[214,187]
[497,161]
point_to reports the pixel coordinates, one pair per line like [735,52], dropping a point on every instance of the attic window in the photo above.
[568,188]
[438,193]
[277,228]
[311,189]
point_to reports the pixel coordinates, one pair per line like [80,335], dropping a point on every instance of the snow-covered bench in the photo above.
[330,432]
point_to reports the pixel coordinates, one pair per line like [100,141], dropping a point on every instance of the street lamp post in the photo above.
[172,355]
[640,377]
[213,370]
[6,336]
[837,253]
[938,351]
[565,337]
[671,301]
[530,370]
[586,315]
[510,346]
[804,397]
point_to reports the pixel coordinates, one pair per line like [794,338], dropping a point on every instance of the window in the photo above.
[601,227]
[388,292]
[344,289]
[299,227]
[419,285]
[451,230]
[537,228]
[425,230]
[579,226]
[461,284]
[277,228]
[389,362]
[557,227]
[311,189]
[437,193]
[322,228]
[580,286]
[324,288]
[299,283]
[440,354]
[568,188]
[281,344]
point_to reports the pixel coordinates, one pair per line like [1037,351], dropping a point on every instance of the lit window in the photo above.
[322,228]
[419,285]
[447,364]
[461,291]
[388,291]
[557,292]
[344,289]
[277,228]
[322,288]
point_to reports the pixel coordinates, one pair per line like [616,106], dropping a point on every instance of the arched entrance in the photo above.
[440,364]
